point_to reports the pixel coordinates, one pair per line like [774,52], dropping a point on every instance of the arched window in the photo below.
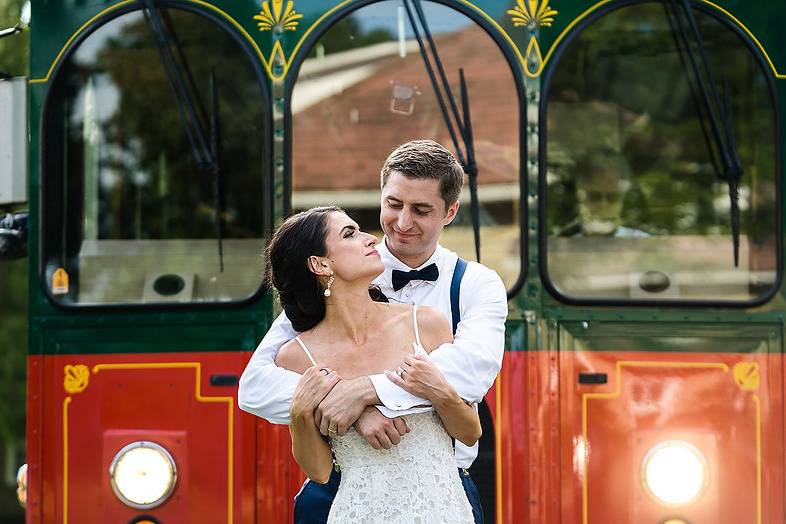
[642,117]
[154,162]
[364,89]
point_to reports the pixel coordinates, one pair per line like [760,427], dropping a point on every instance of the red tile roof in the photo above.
[332,152]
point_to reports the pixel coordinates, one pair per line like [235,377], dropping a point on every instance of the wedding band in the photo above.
[326,371]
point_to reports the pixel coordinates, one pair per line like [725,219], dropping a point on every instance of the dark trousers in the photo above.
[312,504]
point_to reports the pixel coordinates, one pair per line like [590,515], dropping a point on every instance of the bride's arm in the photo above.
[422,378]
[309,448]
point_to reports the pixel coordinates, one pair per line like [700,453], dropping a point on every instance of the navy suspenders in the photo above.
[455,289]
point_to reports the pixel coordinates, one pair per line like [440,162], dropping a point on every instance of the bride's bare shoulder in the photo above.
[292,357]
[434,328]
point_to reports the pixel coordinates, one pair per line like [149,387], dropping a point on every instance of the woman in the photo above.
[322,266]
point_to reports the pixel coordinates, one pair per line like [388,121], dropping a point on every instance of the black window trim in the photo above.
[267,167]
[542,158]
[516,70]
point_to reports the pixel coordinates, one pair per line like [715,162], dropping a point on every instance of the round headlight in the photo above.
[675,472]
[143,475]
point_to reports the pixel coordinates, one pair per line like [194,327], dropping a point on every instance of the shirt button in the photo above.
[398,404]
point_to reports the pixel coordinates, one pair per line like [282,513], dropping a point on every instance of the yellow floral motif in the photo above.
[747,376]
[76,378]
[280,17]
[531,12]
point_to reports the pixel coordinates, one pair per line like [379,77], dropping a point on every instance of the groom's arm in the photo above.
[471,363]
[266,390]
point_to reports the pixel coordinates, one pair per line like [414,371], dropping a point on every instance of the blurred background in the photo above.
[13,310]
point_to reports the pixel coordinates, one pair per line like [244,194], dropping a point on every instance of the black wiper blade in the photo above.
[218,174]
[466,156]
[184,63]
[727,164]
[698,102]
[431,75]
[471,167]
[733,175]
[192,124]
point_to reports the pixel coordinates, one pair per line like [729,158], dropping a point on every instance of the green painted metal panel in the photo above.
[59,23]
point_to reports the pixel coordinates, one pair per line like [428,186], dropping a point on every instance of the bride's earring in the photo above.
[329,283]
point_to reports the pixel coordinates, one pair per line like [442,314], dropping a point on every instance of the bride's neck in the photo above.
[347,311]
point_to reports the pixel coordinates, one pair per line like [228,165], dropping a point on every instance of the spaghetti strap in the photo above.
[415,320]
[308,353]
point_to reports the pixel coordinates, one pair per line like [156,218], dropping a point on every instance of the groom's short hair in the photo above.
[426,159]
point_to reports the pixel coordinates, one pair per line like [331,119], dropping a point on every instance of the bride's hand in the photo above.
[315,383]
[420,377]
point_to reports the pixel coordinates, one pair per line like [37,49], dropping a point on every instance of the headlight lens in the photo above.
[143,474]
[675,472]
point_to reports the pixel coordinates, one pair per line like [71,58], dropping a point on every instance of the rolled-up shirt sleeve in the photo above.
[265,389]
[471,363]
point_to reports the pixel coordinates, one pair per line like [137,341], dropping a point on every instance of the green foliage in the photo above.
[152,186]
[622,85]
[13,349]
[14,50]
[14,60]
[347,34]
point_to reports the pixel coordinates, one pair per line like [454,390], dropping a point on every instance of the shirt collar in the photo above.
[391,262]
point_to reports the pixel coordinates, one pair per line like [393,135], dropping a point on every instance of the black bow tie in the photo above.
[402,278]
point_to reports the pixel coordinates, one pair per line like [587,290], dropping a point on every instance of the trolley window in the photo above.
[660,161]
[154,160]
[364,89]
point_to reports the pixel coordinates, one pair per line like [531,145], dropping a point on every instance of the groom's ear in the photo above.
[451,213]
[318,265]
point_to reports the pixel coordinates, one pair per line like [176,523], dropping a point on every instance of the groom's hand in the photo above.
[380,431]
[344,405]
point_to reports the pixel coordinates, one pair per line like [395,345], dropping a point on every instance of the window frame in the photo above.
[518,77]
[548,284]
[267,199]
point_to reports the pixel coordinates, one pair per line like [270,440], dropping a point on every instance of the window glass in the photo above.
[636,208]
[154,161]
[364,90]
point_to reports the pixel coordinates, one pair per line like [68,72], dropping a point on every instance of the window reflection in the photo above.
[364,90]
[635,208]
[154,175]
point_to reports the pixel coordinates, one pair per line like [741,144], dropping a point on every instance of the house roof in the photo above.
[343,126]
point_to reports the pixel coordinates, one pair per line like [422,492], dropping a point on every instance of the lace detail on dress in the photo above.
[414,482]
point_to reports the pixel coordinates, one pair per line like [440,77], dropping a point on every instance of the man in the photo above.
[421,183]
[603,178]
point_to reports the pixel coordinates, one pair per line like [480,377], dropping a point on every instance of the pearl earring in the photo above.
[329,283]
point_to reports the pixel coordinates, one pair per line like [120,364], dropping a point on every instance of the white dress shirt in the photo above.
[470,364]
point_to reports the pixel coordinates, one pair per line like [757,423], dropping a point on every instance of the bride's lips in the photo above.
[373,253]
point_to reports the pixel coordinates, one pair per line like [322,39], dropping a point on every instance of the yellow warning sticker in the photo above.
[60,282]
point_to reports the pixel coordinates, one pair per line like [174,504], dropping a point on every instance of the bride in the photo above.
[322,266]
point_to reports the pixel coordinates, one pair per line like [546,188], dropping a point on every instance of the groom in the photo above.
[421,183]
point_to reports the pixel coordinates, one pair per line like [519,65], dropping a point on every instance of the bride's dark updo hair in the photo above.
[300,291]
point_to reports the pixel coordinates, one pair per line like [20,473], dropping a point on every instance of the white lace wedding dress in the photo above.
[415,482]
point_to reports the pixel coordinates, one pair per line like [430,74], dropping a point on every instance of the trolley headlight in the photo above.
[143,474]
[675,472]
